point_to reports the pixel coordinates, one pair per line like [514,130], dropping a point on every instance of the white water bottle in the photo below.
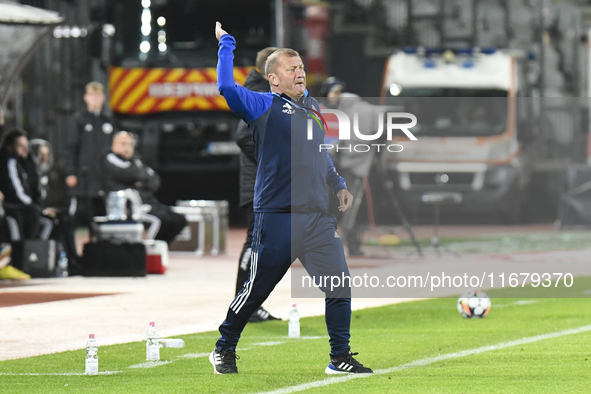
[91,356]
[62,266]
[152,343]
[294,322]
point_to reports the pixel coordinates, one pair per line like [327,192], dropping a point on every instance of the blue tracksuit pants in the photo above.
[278,239]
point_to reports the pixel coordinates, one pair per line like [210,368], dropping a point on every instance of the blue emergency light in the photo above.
[433,51]
[488,51]
[464,51]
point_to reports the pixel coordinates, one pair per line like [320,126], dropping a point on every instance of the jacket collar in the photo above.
[121,157]
[297,101]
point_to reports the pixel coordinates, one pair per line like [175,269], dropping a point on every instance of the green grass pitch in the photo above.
[385,337]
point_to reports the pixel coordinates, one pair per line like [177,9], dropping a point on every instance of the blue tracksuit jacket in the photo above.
[292,172]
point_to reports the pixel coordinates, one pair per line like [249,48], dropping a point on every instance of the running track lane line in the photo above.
[430,360]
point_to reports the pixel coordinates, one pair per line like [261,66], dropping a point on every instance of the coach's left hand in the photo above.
[345,200]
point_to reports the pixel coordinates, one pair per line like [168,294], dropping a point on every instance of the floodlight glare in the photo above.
[145,47]
[395,89]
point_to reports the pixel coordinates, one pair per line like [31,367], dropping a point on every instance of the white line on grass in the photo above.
[57,373]
[430,360]
[194,355]
[273,343]
[150,364]
[519,303]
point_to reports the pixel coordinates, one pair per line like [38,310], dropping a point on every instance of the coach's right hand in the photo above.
[219,32]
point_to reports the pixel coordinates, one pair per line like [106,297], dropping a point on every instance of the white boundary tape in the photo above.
[430,360]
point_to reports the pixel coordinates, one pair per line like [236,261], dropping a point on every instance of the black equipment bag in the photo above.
[104,258]
[35,257]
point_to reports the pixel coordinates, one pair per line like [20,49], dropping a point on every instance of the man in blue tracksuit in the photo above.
[290,202]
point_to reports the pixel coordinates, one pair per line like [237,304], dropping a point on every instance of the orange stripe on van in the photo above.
[151,90]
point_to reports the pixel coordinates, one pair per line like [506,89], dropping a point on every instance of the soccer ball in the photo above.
[474,303]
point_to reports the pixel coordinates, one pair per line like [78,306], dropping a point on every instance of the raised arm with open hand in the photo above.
[219,32]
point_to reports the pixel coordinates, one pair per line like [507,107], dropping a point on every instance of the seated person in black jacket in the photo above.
[26,218]
[123,170]
[20,185]
[51,178]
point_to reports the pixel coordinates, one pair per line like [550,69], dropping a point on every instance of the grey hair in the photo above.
[262,56]
[274,58]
